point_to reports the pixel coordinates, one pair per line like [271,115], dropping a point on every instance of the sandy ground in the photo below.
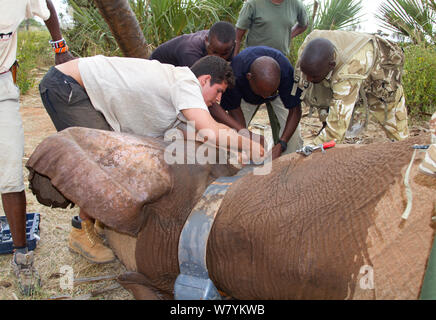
[52,254]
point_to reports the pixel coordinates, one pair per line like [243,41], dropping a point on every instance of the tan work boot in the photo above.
[99,228]
[85,242]
[28,277]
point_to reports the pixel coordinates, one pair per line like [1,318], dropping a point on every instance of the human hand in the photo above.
[253,136]
[276,151]
[257,152]
[63,57]
[258,138]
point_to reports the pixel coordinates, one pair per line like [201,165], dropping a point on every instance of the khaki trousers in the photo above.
[296,141]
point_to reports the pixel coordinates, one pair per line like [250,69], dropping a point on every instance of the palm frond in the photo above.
[338,14]
[162,20]
[413,18]
[91,34]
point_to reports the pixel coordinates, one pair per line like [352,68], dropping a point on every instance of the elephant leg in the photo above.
[139,286]
[123,246]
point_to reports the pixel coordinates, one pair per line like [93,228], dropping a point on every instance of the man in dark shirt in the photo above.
[185,50]
[263,74]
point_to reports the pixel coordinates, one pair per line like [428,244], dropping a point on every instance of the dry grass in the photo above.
[52,254]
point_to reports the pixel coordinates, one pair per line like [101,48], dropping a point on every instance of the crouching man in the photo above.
[136,96]
[336,69]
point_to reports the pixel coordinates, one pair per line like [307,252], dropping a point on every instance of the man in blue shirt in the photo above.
[263,74]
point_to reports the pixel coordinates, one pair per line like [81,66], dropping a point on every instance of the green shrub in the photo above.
[160,21]
[295,46]
[419,79]
[33,51]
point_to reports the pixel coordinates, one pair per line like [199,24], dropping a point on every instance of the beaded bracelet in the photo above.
[59,46]
[61,50]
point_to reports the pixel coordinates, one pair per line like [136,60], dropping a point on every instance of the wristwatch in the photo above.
[284,145]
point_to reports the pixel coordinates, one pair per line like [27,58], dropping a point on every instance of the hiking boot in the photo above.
[99,228]
[428,165]
[87,243]
[28,277]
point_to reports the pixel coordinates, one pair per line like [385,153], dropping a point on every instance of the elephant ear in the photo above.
[109,175]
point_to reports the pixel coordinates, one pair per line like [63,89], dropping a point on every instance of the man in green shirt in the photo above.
[271,23]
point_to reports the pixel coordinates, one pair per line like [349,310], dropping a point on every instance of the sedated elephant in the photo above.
[327,226]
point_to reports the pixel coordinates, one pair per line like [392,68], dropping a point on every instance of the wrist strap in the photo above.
[59,46]
[284,145]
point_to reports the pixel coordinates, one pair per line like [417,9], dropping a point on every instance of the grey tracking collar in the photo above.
[193,282]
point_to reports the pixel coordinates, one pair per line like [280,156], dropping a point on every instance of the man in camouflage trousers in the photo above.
[338,69]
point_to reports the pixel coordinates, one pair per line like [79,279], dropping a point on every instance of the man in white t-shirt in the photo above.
[137,96]
[11,128]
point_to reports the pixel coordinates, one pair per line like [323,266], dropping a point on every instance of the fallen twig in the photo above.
[312,125]
[94,279]
[88,296]
[80,281]
[64,297]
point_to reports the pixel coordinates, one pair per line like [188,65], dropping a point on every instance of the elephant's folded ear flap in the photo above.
[45,192]
[109,175]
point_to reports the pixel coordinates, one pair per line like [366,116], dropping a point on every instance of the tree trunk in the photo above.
[124,26]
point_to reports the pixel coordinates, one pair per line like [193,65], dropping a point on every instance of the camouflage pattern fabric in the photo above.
[433,128]
[375,67]
[383,90]
[428,165]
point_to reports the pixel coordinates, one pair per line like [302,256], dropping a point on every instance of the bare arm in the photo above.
[297,30]
[239,35]
[238,115]
[52,24]
[292,122]
[203,120]
[220,115]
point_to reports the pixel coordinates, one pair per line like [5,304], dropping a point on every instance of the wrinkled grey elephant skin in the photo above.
[305,231]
